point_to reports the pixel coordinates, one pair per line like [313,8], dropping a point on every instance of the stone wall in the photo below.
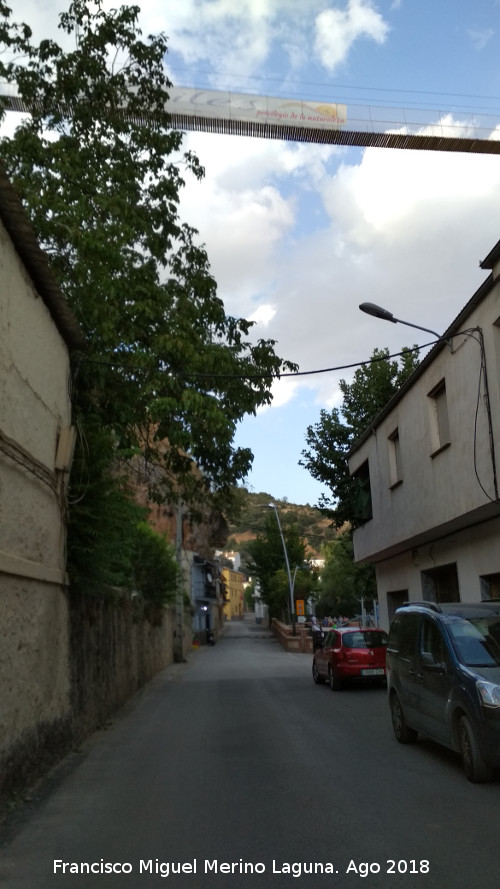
[117,646]
[301,642]
[98,651]
[35,717]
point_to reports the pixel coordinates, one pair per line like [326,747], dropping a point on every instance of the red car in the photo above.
[350,653]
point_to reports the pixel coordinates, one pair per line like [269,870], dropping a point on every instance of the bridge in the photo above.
[328,123]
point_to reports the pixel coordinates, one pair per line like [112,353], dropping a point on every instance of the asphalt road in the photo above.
[237,771]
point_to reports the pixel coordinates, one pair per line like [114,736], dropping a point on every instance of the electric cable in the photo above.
[261,376]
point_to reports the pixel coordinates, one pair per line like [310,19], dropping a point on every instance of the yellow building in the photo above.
[232,583]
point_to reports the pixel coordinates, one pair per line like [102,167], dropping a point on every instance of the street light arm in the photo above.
[385,315]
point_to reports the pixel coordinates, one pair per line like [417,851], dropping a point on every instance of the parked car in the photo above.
[443,676]
[350,653]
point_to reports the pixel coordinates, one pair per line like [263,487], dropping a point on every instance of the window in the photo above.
[395,474]
[363,495]
[439,423]
[440,584]
[490,586]
[395,600]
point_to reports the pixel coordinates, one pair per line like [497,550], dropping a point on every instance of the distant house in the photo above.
[37,333]
[233,584]
[194,544]
[428,469]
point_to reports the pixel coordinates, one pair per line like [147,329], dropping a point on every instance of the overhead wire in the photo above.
[264,375]
[298,87]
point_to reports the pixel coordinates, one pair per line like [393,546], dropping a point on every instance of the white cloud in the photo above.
[338,30]
[225,40]
[242,37]
[400,228]
[283,392]
[480,37]
[263,315]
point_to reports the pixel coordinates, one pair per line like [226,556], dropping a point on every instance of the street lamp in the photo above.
[290,582]
[385,315]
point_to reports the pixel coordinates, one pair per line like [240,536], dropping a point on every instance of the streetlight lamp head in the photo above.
[378,312]
[385,315]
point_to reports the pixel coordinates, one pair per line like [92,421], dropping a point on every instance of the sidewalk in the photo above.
[246,627]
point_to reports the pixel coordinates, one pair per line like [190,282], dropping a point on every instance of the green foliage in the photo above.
[155,571]
[103,517]
[330,440]
[344,582]
[268,565]
[100,173]
[109,540]
[247,518]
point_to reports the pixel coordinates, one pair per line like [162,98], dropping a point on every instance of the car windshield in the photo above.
[477,640]
[365,639]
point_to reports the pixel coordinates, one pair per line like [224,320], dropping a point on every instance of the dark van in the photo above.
[443,679]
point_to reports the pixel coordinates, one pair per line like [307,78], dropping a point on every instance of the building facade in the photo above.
[427,468]
[37,333]
[233,583]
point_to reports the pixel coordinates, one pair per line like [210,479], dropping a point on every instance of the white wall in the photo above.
[34,405]
[435,488]
[475,551]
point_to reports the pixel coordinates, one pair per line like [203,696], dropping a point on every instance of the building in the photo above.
[37,333]
[199,566]
[233,583]
[427,468]
[207,602]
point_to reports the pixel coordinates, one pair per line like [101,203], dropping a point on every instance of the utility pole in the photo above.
[179,597]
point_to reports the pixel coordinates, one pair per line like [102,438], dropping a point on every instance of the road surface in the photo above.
[234,770]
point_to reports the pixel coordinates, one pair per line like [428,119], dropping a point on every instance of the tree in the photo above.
[267,563]
[330,440]
[344,583]
[100,173]
[155,569]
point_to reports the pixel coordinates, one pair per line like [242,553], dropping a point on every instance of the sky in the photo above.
[298,235]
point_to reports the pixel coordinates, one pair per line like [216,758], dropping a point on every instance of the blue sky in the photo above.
[299,235]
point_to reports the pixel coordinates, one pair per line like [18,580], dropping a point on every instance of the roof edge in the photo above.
[23,237]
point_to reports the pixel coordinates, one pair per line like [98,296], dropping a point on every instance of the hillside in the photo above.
[313,525]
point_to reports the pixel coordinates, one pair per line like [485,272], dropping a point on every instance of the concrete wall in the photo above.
[34,406]
[476,553]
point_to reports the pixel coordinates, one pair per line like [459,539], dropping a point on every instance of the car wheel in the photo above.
[317,678]
[404,734]
[475,767]
[334,681]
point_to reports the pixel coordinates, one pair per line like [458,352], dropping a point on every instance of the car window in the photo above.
[432,643]
[403,635]
[366,639]
[477,641]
